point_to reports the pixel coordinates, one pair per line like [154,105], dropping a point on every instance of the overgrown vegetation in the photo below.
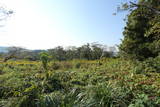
[99,83]
[89,76]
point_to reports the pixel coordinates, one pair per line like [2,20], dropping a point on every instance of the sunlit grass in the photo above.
[107,82]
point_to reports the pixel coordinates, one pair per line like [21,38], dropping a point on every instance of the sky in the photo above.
[44,24]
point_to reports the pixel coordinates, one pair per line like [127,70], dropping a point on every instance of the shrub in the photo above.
[77,65]
[149,65]
[55,66]
[44,58]
[142,100]
[30,98]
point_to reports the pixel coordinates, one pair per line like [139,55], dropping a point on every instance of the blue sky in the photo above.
[42,24]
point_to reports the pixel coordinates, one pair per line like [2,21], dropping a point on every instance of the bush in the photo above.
[55,66]
[149,65]
[44,58]
[77,65]
[30,98]
[142,100]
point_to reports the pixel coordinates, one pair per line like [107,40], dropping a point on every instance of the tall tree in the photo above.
[58,53]
[85,52]
[96,51]
[13,52]
[142,31]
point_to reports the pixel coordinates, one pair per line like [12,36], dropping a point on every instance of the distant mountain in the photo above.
[3,49]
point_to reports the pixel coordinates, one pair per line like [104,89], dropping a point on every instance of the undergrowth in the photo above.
[80,83]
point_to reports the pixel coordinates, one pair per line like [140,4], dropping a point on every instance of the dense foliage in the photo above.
[99,83]
[142,32]
[89,51]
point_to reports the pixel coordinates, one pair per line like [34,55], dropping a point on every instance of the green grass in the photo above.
[78,83]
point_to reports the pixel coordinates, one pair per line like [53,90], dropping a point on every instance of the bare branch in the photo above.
[146,6]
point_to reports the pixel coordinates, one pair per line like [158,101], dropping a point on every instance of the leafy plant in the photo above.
[44,58]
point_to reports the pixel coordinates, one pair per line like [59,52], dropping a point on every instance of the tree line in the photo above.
[88,51]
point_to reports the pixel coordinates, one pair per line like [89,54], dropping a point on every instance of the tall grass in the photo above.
[79,83]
